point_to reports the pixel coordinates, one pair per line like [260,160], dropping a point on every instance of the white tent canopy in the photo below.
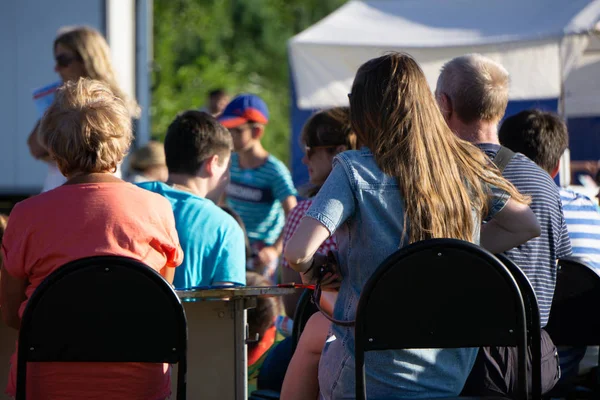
[542,43]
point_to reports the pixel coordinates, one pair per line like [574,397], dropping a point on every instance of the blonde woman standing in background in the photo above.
[79,52]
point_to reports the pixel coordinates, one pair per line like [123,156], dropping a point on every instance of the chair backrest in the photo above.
[576,298]
[442,293]
[532,315]
[103,309]
[304,310]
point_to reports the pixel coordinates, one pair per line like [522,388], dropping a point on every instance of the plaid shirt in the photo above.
[292,222]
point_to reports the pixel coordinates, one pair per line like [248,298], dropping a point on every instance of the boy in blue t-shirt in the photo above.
[197,150]
[261,189]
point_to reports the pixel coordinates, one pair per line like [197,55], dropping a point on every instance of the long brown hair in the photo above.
[441,177]
[93,51]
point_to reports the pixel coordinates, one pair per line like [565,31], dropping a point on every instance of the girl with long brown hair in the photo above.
[413,180]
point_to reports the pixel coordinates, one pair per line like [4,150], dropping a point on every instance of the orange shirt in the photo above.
[84,220]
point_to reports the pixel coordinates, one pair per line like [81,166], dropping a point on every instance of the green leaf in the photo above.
[239,45]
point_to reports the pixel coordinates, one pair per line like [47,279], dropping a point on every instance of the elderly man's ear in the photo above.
[445,105]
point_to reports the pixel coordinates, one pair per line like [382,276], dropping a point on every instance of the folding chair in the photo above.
[304,310]
[103,309]
[572,318]
[532,315]
[447,294]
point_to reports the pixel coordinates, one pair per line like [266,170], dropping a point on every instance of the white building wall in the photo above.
[27,32]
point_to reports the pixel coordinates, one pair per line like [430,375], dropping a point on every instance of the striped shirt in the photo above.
[537,258]
[583,221]
[256,195]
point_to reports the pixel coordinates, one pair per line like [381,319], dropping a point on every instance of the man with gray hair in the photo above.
[472,92]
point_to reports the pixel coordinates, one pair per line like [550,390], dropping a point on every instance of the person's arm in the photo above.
[38,151]
[12,295]
[512,226]
[305,242]
[290,301]
[334,205]
[169,243]
[269,253]
[168,273]
[563,243]
[285,192]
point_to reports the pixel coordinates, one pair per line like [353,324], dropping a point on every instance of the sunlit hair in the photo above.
[441,177]
[87,128]
[192,138]
[329,127]
[476,86]
[3,223]
[93,51]
[542,136]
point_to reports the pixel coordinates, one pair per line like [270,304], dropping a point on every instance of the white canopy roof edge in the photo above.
[539,42]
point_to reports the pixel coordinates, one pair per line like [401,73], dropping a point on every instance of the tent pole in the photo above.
[565,159]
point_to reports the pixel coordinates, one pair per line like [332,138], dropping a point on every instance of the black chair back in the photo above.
[532,314]
[577,293]
[103,309]
[304,310]
[441,293]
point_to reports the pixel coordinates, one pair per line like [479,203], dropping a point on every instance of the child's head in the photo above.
[149,161]
[198,146]
[217,101]
[262,317]
[245,117]
[326,134]
[540,135]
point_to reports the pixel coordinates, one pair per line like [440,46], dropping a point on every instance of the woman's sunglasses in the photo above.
[310,150]
[63,60]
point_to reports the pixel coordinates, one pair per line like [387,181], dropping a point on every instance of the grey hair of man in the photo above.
[476,88]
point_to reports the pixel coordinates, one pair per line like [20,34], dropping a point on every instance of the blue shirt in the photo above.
[364,208]
[583,222]
[212,241]
[537,257]
[256,195]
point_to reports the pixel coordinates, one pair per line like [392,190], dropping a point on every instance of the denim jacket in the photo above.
[364,208]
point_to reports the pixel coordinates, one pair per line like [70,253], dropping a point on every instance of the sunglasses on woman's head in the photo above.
[63,60]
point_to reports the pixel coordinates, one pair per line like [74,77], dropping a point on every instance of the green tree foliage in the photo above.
[240,45]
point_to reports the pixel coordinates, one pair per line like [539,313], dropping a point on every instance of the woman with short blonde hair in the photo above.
[85,114]
[87,132]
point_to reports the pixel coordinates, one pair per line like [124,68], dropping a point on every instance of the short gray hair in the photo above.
[477,87]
